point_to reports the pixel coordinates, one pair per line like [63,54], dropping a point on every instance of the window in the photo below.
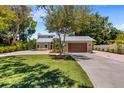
[51,46]
[45,46]
[37,46]
[49,36]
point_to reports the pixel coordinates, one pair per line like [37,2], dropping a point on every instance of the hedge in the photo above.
[5,49]
[19,46]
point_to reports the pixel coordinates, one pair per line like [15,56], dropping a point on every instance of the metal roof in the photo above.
[44,40]
[77,38]
[46,34]
[67,39]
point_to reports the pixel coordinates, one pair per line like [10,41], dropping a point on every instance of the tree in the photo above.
[27,28]
[7,19]
[64,20]
[31,44]
[119,41]
[79,21]
[120,36]
[99,28]
[15,24]
[22,12]
[56,45]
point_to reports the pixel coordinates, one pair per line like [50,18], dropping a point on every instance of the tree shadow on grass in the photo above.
[64,57]
[35,76]
[53,79]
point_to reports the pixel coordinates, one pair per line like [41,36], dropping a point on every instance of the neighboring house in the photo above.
[73,43]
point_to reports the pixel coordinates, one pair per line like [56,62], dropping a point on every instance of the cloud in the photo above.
[120,26]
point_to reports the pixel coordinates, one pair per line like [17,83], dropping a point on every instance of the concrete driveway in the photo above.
[26,52]
[103,72]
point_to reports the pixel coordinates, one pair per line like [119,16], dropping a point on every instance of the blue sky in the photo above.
[114,12]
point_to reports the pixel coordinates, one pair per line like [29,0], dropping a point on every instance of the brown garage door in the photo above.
[77,47]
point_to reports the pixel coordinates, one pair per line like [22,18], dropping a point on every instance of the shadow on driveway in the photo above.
[82,57]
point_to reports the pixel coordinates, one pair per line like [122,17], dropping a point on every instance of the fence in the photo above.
[114,48]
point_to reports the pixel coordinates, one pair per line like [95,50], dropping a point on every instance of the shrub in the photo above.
[5,49]
[98,49]
[107,50]
[103,49]
[1,49]
[12,48]
[19,45]
[56,45]
[95,48]
[119,49]
[30,44]
[111,50]
[122,51]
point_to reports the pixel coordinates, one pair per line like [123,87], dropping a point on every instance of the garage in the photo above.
[77,47]
[73,44]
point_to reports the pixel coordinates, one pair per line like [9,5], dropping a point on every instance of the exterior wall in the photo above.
[89,46]
[42,46]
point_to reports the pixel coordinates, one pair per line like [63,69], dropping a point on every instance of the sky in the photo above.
[114,12]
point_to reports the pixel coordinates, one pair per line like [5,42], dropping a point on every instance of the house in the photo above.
[73,43]
[44,42]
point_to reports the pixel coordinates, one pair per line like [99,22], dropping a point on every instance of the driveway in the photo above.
[103,72]
[113,56]
[26,52]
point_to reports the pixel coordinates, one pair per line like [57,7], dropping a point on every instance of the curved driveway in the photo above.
[26,52]
[103,72]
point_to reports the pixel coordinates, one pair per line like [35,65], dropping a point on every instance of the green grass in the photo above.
[41,71]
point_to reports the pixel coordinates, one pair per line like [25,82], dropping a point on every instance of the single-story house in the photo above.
[73,43]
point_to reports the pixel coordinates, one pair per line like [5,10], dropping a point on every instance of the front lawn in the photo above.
[41,71]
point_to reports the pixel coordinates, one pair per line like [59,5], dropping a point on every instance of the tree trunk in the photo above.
[63,43]
[15,35]
[19,8]
[60,43]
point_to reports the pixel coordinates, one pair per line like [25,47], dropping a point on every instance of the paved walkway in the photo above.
[27,52]
[113,56]
[103,72]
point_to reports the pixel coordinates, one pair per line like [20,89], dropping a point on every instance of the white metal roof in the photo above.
[67,38]
[44,40]
[77,38]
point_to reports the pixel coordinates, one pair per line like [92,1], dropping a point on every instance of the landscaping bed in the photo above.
[41,71]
